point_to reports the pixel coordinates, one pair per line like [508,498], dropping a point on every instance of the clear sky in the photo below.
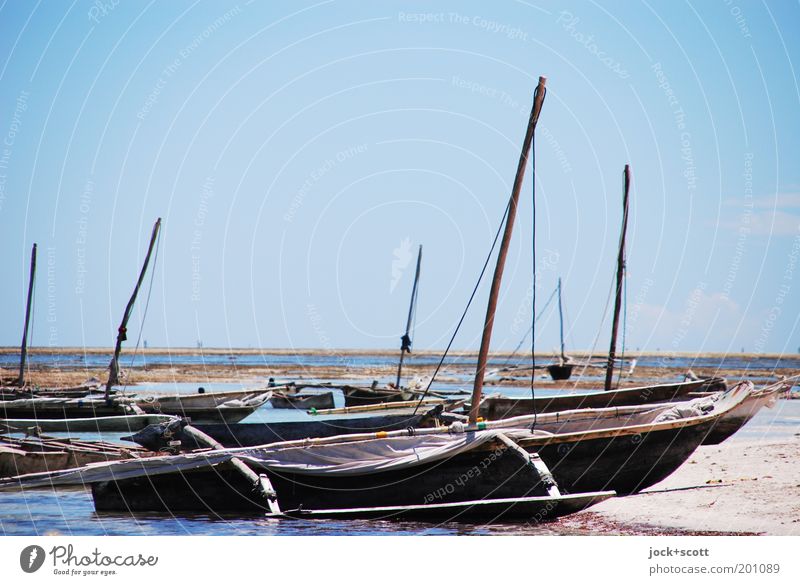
[299,152]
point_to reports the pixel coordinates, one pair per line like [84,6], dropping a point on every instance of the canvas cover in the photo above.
[342,458]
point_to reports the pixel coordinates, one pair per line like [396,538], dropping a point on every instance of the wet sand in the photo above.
[184,367]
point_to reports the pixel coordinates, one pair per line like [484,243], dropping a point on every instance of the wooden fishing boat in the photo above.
[355,396]
[49,407]
[44,454]
[424,469]
[361,396]
[106,424]
[625,449]
[79,391]
[229,406]
[302,400]
[560,371]
[497,408]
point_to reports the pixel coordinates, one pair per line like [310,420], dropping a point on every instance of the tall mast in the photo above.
[113,375]
[612,351]
[538,99]
[405,341]
[561,321]
[24,349]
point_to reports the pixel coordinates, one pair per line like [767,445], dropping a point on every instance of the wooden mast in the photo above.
[561,322]
[113,375]
[612,351]
[24,349]
[538,99]
[405,341]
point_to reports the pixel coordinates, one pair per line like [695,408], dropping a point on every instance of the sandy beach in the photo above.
[733,488]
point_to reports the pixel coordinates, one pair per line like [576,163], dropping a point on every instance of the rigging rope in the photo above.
[536,320]
[466,309]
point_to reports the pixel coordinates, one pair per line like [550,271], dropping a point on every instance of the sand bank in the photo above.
[735,487]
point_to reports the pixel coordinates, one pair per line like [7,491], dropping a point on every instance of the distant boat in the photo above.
[563,369]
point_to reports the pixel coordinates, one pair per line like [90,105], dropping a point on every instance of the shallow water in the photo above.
[100,360]
[40,512]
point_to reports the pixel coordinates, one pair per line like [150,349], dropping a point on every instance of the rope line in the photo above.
[466,309]
[536,320]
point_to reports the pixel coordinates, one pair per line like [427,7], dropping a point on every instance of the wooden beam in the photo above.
[477,389]
[24,350]
[612,350]
[113,375]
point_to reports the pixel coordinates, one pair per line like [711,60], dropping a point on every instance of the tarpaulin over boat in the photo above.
[353,457]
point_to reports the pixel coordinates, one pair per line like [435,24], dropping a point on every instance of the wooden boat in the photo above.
[43,454]
[425,469]
[624,449]
[79,391]
[744,412]
[49,407]
[229,406]
[303,400]
[360,396]
[106,424]
[497,408]
[355,396]
[560,371]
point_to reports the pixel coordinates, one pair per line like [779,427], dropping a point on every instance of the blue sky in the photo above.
[299,153]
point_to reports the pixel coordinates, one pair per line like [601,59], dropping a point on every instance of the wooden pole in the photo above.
[405,342]
[260,483]
[612,350]
[113,375]
[477,389]
[561,322]
[24,350]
